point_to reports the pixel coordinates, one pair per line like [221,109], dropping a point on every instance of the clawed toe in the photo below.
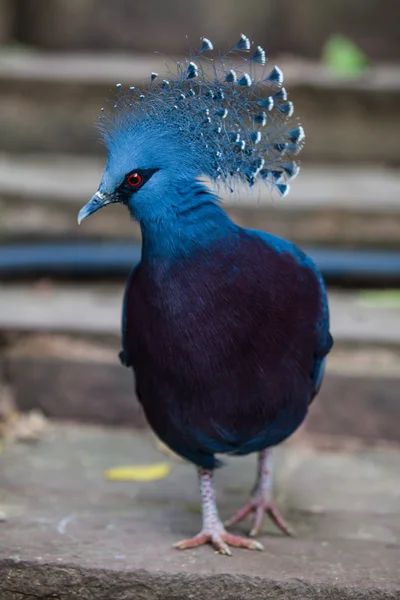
[279,521]
[197,540]
[260,507]
[220,541]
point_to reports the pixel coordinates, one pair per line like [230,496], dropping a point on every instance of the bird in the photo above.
[225,328]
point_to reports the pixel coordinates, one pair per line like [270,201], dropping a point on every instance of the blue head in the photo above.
[209,119]
[147,165]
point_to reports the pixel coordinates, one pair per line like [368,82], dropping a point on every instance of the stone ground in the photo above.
[69,533]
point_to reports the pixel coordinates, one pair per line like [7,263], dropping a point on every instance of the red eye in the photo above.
[134,179]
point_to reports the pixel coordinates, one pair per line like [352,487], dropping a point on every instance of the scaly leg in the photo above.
[261,500]
[213,531]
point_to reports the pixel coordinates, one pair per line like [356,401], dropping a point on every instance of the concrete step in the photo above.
[68,532]
[40,196]
[48,102]
[65,341]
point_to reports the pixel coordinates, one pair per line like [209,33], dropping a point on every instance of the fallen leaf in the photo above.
[139,472]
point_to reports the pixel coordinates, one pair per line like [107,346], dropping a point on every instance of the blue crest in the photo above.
[206,45]
[243,43]
[222,116]
[259,56]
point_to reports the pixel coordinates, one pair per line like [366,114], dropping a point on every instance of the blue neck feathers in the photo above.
[193,220]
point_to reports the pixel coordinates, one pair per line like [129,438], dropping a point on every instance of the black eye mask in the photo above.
[133,182]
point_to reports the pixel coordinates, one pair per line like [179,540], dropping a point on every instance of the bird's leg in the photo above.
[261,500]
[213,531]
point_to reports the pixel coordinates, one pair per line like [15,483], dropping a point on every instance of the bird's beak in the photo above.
[98,201]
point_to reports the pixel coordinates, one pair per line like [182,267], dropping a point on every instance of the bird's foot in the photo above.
[260,506]
[220,539]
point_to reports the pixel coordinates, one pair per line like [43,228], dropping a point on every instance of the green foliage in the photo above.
[380,298]
[343,57]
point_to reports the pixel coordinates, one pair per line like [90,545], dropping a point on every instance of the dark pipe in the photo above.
[114,260]
[82,259]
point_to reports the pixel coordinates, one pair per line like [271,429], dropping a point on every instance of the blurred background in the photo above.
[61,289]
[61,286]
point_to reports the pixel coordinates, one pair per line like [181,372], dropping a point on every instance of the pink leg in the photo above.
[213,531]
[261,501]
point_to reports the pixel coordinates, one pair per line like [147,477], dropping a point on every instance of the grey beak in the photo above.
[98,201]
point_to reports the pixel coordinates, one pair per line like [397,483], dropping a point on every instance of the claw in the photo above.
[260,507]
[213,532]
[197,540]
[277,518]
[258,519]
[239,515]
[222,549]
[261,503]
[220,542]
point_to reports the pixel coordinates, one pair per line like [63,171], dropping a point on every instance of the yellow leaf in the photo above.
[139,472]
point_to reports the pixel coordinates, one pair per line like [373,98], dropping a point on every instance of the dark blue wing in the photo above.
[319,365]
[324,338]
[123,355]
